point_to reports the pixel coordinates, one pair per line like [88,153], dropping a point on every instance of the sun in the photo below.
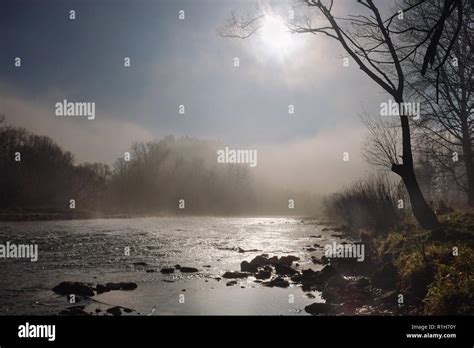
[276,36]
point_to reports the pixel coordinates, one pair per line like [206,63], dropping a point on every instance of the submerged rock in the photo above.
[337,282]
[263,260]
[101,289]
[282,269]
[326,273]
[167,270]
[231,283]
[115,311]
[312,280]
[263,275]
[231,275]
[76,288]
[121,286]
[76,310]
[188,270]
[260,260]
[140,263]
[317,261]
[278,282]
[246,266]
[247,251]
[288,260]
[321,308]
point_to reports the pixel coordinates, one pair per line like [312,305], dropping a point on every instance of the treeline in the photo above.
[168,176]
[36,172]
[176,174]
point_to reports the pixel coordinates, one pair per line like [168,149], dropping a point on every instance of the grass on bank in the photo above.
[435,273]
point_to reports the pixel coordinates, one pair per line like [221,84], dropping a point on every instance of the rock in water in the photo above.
[282,269]
[288,260]
[114,311]
[263,275]
[326,273]
[141,263]
[101,289]
[188,270]
[121,286]
[246,266]
[278,282]
[76,311]
[68,288]
[320,308]
[167,270]
[231,275]
[260,260]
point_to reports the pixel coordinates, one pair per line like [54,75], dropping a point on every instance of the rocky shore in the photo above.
[347,287]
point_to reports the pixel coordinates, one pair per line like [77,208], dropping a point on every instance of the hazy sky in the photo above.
[185,62]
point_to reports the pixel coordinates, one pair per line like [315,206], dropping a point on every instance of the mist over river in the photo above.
[96,251]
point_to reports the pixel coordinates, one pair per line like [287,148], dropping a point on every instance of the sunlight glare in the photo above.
[276,36]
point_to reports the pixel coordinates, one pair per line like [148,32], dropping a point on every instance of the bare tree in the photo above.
[372,42]
[447,122]
[382,144]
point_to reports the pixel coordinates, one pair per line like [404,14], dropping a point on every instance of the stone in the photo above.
[76,288]
[263,275]
[121,286]
[188,270]
[246,266]
[167,270]
[232,275]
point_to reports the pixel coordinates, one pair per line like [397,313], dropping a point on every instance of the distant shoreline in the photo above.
[53,214]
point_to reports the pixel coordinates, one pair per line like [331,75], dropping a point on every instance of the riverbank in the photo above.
[410,271]
[47,214]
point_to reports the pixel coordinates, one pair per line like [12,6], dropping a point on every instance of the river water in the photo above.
[114,250]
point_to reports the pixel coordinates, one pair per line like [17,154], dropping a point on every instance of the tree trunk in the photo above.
[469,168]
[421,210]
[466,137]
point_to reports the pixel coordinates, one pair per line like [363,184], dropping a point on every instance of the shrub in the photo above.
[369,203]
